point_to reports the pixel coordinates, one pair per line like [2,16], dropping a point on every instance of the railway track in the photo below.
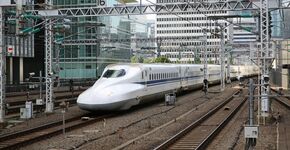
[281,116]
[282,100]
[201,132]
[15,109]
[17,102]
[35,92]
[25,137]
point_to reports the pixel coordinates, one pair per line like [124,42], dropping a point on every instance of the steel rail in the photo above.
[214,133]
[25,137]
[278,99]
[16,108]
[183,132]
[33,92]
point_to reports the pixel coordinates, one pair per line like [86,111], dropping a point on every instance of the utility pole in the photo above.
[251,131]
[159,41]
[222,60]
[205,73]
[57,66]
[49,106]
[228,77]
[17,38]
[2,67]
[195,55]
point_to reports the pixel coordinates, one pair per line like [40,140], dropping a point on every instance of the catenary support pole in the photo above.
[48,62]
[2,67]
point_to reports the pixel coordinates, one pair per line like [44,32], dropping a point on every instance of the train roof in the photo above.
[157,65]
[169,65]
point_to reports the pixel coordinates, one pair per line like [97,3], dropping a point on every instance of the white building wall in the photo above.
[188,25]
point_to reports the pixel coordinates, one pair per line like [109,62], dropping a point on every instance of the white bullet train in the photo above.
[122,86]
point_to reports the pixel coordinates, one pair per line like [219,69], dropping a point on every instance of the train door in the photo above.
[180,75]
[184,79]
[145,75]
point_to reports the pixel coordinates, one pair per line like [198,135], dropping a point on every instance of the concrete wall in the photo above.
[280,76]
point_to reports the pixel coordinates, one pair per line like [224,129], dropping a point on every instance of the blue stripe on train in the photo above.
[171,80]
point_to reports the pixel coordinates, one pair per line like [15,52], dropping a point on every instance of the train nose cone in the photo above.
[99,100]
[87,97]
[92,100]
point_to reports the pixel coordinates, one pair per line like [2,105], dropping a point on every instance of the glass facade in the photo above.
[277,23]
[89,60]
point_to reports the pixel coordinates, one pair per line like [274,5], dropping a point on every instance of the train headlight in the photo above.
[109,93]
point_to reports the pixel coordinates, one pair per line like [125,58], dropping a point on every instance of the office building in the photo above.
[89,60]
[190,25]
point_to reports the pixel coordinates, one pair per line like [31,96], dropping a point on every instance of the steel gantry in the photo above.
[178,7]
[143,40]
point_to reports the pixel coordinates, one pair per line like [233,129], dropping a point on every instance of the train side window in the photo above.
[142,75]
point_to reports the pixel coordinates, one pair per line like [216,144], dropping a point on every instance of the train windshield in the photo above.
[114,73]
